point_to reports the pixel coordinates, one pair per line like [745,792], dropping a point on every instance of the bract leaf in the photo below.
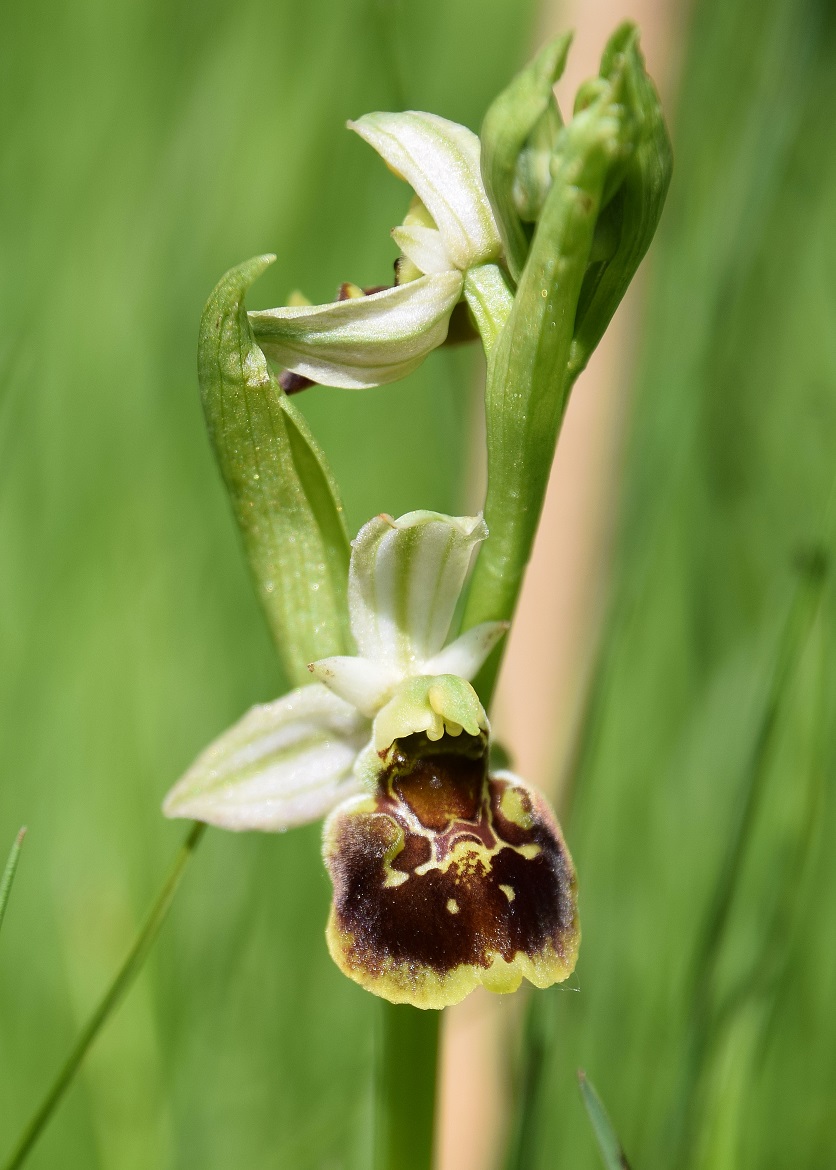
[284,764]
[440,161]
[506,128]
[362,341]
[533,174]
[489,299]
[283,494]
[405,579]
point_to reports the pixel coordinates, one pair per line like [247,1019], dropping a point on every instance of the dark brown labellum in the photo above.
[448,877]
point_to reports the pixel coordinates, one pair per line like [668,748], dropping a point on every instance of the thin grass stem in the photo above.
[124,978]
[9,873]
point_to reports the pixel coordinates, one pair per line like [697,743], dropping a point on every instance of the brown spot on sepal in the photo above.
[440,831]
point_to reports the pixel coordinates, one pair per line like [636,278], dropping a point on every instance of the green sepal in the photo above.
[283,494]
[513,118]
[632,210]
[527,386]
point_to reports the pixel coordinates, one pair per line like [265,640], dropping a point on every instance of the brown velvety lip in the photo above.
[447,877]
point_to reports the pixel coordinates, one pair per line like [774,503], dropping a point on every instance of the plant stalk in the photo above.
[124,978]
[407,1069]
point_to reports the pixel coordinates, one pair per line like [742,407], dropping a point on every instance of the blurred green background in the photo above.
[147,147]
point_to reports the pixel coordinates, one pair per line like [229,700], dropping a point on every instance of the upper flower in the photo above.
[449,229]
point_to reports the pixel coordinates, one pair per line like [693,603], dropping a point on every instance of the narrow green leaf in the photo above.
[283,494]
[609,1146]
[9,873]
[511,120]
[629,220]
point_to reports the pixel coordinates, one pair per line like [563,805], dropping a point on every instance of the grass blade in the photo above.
[9,873]
[609,1146]
[110,1001]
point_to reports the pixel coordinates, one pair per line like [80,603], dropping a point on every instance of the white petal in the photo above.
[283,764]
[440,161]
[366,685]
[465,656]
[403,584]
[362,341]
[424,246]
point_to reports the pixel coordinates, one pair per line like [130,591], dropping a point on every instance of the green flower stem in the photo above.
[112,997]
[407,1071]
[609,170]
[528,381]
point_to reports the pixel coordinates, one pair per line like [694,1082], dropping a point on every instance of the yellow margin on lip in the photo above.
[425,988]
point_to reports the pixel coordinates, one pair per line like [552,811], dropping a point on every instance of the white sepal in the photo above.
[441,162]
[404,581]
[365,684]
[284,764]
[362,341]
[466,655]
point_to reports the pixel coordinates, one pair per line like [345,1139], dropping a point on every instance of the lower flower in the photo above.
[448,877]
[445,876]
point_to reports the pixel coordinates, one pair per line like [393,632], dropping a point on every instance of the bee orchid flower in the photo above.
[445,875]
[449,229]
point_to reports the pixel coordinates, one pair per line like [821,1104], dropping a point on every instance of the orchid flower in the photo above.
[449,229]
[445,875]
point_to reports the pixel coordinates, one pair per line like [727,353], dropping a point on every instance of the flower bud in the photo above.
[609,175]
[514,131]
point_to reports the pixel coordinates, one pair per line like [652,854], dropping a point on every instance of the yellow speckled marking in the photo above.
[513,809]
